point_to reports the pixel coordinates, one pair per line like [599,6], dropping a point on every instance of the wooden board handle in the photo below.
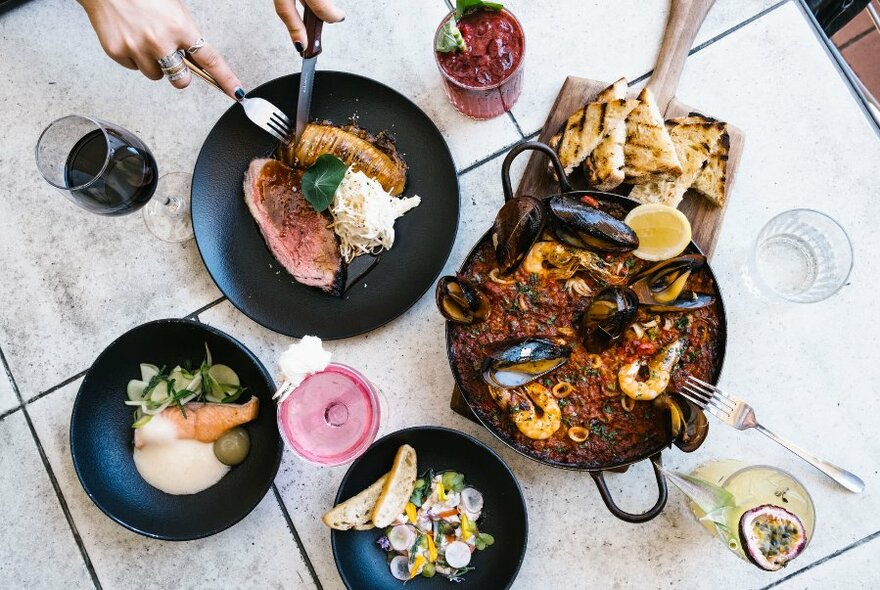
[685,19]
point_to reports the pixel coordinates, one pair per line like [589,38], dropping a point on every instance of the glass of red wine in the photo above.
[108,170]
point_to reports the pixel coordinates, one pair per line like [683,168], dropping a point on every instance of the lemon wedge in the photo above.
[664,232]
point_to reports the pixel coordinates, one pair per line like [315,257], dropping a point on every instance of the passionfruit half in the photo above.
[771,536]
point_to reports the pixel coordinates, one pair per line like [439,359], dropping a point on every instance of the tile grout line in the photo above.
[828,557]
[55,388]
[204,308]
[52,479]
[516,124]
[9,412]
[855,39]
[296,537]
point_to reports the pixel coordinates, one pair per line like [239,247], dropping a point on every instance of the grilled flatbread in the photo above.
[604,167]
[694,142]
[356,511]
[712,180]
[583,130]
[649,154]
[397,489]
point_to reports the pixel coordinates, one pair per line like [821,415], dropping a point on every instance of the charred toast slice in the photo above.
[712,180]
[649,154]
[694,142]
[604,166]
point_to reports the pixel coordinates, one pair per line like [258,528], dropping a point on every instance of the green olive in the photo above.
[233,446]
[429,570]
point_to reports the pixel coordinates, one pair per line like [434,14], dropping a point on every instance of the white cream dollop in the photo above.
[300,360]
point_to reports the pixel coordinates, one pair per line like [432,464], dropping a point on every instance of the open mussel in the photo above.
[517,227]
[514,363]
[581,225]
[662,287]
[688,423]
[608,316]
[460,301]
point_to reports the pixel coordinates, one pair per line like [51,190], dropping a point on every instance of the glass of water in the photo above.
[802,256]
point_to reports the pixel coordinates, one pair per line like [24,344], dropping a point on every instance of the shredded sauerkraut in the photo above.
[363,215]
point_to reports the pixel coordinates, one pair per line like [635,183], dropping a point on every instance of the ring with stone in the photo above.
[193,49]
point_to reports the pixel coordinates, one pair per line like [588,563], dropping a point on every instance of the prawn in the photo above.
[529,422]
[564,262]
[660,369]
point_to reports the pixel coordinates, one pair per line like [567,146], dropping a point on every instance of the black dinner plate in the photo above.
[101,435]
[237,257]
[363,565]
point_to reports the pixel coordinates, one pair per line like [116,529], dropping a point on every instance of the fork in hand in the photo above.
[259,110]
[737,413]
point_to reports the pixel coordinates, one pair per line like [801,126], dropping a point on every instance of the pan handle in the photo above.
[599,478]
[564,186]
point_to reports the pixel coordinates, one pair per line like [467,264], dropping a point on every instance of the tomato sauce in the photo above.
[620,429]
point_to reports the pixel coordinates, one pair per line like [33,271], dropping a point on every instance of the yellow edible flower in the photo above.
[419,562]
[441,492]
[466,530]
[411,512]
[432,549]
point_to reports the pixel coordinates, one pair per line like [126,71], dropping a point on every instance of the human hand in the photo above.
[323,9]
[138,33]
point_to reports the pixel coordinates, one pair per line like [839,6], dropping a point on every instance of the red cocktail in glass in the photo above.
[485,79]
[331,417]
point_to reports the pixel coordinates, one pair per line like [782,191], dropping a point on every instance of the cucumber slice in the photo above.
[135,390]
[160,392]
[196,384]
[141,421]
[223,375]
[148,371]
[213,398]
[180,379]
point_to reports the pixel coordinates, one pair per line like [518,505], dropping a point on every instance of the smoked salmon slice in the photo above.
[204,422]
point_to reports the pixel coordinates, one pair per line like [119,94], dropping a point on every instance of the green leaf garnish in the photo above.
[319,183]
[449,38]
[463,6]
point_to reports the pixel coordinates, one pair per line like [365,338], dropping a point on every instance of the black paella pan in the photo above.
[597,471]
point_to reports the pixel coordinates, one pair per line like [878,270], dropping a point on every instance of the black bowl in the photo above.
[363,565]
[101,435]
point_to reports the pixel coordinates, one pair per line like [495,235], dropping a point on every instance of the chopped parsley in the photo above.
[682,322]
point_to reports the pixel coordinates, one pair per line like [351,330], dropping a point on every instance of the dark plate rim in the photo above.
[79,393]
[402,311]
[692,247]
[522,555]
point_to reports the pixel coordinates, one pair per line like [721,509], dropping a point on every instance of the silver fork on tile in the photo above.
[737,413]
[259,110]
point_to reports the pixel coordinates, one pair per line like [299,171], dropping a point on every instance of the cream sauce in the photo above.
[176,466]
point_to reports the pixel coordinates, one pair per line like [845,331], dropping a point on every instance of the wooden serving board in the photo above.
[704,216]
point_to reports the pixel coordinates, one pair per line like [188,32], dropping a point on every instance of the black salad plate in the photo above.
[101,435]
[241,264]
[364,566]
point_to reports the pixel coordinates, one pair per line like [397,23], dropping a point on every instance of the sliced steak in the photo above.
[296,234]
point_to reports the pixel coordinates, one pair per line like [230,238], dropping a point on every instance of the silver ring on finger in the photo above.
[194,48]
[172,61]
[179,75]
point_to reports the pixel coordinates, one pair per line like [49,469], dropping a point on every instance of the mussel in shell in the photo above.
[608,316]
[581,225]
[662,287]
[688,423]
[517,227]
[460,301]
[514,363]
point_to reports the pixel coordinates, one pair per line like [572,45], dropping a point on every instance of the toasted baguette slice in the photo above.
[694,142]
[712,180]
[357,510]
[397,489]
[649,154]
[616,91]
[583,129]
[604,167]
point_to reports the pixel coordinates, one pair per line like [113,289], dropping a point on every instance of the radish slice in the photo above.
[458,554]
[400,568]
[135,390]
[148,371]
[471,500]
[401,537]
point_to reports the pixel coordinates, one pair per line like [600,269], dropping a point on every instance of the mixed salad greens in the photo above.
[159,388]
[438,532]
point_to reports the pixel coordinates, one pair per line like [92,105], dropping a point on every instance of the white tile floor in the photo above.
[807,145]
